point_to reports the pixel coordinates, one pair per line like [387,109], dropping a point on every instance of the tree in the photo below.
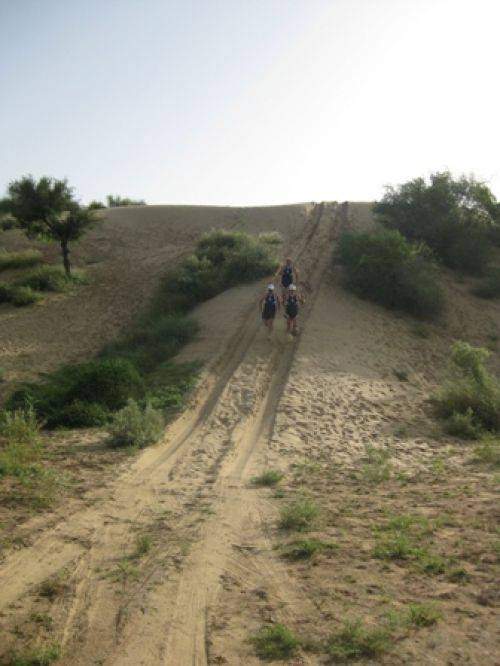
[47,210]
[457,218]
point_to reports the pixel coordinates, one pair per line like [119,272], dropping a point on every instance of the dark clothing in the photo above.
[292,306]
[269,310]
[287,276]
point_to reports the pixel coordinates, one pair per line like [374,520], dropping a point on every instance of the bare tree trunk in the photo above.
[65,254]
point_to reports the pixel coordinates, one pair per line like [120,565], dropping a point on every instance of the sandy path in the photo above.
[237,407]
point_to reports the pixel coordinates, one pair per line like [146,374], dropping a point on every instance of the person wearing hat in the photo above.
[269,305]
[291,302]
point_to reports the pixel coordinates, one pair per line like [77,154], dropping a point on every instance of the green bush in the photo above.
[222,259]
[462,425]
[490,285]
[18,296]
[49,278]
[115,200]
[108,382]
[457,219]
[20,444]
[382,266]
[79,414]
[471,391]
[298,515]
[21,259]
[133,426]
[354,641]
[275,642]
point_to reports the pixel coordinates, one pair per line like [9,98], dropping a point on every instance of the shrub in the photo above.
[96,205]
[382,266]
[353,641]
[271,237]
[20,444]
[222,259]
[49,278]
[298,515]
[18,296]
[269,478]
[490,286]
[275,642]
[462,425]
[79,414]
[108,382]
[116,200]
[471,392]
[488,452]
[38,656]
[455,218]
[378,467]
[22,259]
[133,426]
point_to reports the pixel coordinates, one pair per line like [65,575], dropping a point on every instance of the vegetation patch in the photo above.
[50,278]
[138,366]
[24,259]
[269,478]
[17,295]
[355,641]
[306,549]
[423,615]
[488,452]
[275,642]
[378,467]
[37,656]
[384,267]
[299,515]
[470,399]
[490,285]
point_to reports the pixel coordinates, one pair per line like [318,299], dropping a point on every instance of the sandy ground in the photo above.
[308,407]
[123,256]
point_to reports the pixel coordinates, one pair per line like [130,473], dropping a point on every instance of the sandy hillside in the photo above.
[124,257]
[357,377]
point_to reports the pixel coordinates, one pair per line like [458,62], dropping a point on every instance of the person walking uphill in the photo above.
[269,305]
[291,302]
[288,275]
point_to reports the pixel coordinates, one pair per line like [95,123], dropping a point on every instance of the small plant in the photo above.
[402,375]
[39,656]
[354,641]
[378,468]
[298,515]
[133,426]
[423,615]
[490,285]
[124,571]
[271,237]
[394,547]
[18,296]
[305,549]
[420,330]
[143,545]
[269,478]
[23,259]
[53,587]
[43,619]
[275,642]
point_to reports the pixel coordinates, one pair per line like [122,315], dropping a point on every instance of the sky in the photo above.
[248,102]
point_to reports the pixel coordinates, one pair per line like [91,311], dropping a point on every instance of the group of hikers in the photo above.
[289,299]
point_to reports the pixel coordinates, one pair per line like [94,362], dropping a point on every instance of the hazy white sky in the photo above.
[248,101]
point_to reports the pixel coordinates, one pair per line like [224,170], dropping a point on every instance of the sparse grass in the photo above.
[23,259]
[488,452]
[299,515]
[50,278]
[423,615]
[269,478]
[275,642]
[37,656]
[133,426]
[354,641]
[43,619]
[305,549]
[378,467]
[124,571]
